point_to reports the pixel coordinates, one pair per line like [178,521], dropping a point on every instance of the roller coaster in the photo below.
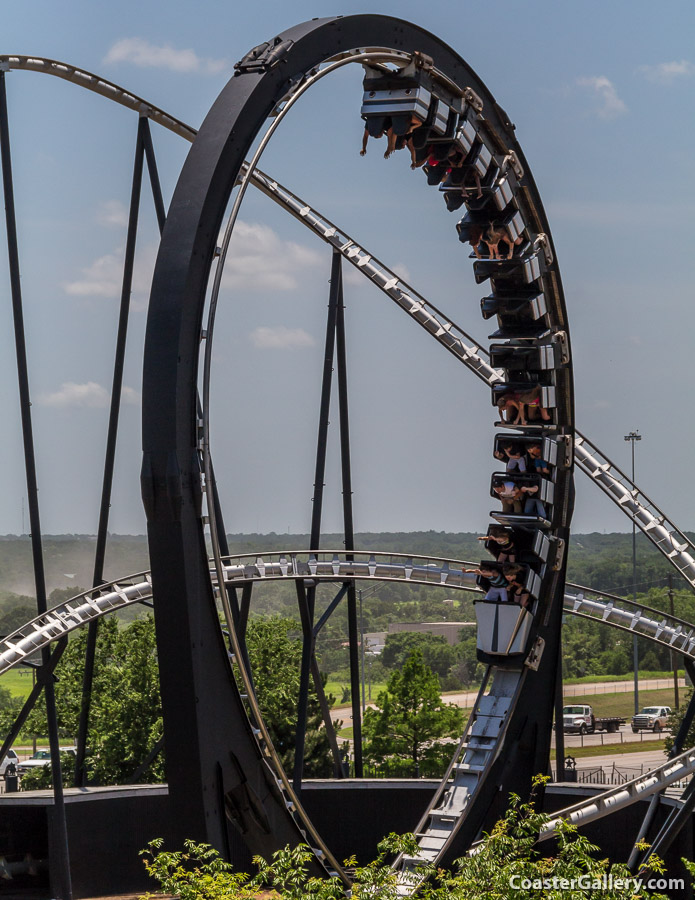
[222,770]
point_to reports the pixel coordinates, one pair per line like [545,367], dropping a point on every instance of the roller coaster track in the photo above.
[332,566]
[678,548]
[652,782]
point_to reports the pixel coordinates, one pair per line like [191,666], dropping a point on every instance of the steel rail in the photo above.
[676,546]
[333,566]
[97,85]
[437,323]
[607,802]
[628,615]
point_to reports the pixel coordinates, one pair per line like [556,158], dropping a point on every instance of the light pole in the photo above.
[362,649]
[370,590]
[632,437]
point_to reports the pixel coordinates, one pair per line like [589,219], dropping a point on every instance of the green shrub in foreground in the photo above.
[506,866]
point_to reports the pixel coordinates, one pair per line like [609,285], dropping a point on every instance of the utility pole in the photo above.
[674,660]
[632,437]
[364,704]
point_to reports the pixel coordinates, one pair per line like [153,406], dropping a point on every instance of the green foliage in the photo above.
[125,719]
[40,778]
[509,857]
[409,717]
[466,670]
[436,652]
[506,861]
[287,874]
[275,664]
[196,873]
[15,610]
[674,723]
[9,709]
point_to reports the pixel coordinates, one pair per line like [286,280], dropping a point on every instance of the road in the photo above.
[623,736]
[466,699]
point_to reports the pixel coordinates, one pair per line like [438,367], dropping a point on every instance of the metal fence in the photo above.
[614,775]
[600,738]
[619,687]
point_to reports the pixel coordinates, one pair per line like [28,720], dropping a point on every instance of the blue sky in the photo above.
[602,97]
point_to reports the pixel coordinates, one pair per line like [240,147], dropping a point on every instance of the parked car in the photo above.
[651,718]
[10,758]
[39,759]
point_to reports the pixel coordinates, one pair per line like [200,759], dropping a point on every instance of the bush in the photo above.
[507,855]
[41,777]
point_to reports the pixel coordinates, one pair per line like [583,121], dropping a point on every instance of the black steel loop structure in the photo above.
[224,776]
[216,766]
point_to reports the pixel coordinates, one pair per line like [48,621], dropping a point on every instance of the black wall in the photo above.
[108,827]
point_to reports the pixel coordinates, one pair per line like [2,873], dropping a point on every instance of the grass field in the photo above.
[608,750]
[622,704]
[17,681]
[594,679]
[336,688]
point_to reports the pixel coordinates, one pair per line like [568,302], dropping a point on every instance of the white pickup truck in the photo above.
[580,719]
[651,718]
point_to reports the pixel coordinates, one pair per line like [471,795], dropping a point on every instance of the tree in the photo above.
[9,710]
[466,670]
[409,718]
[275,665]
[15,610]
[125,718]
[436,652]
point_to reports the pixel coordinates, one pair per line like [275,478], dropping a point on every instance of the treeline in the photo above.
[602,561]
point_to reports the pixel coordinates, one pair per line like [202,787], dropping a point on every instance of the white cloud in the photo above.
[112,212]
[101,279]
[258,259]
[667,72]
[89,394]
[104,277]
[611,105]
[142,53]
[281,338]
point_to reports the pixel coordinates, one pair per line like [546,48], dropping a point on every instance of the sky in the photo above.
[602,98]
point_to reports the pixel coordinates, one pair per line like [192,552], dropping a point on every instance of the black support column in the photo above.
[60,866]
[348,523]
[307,600]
